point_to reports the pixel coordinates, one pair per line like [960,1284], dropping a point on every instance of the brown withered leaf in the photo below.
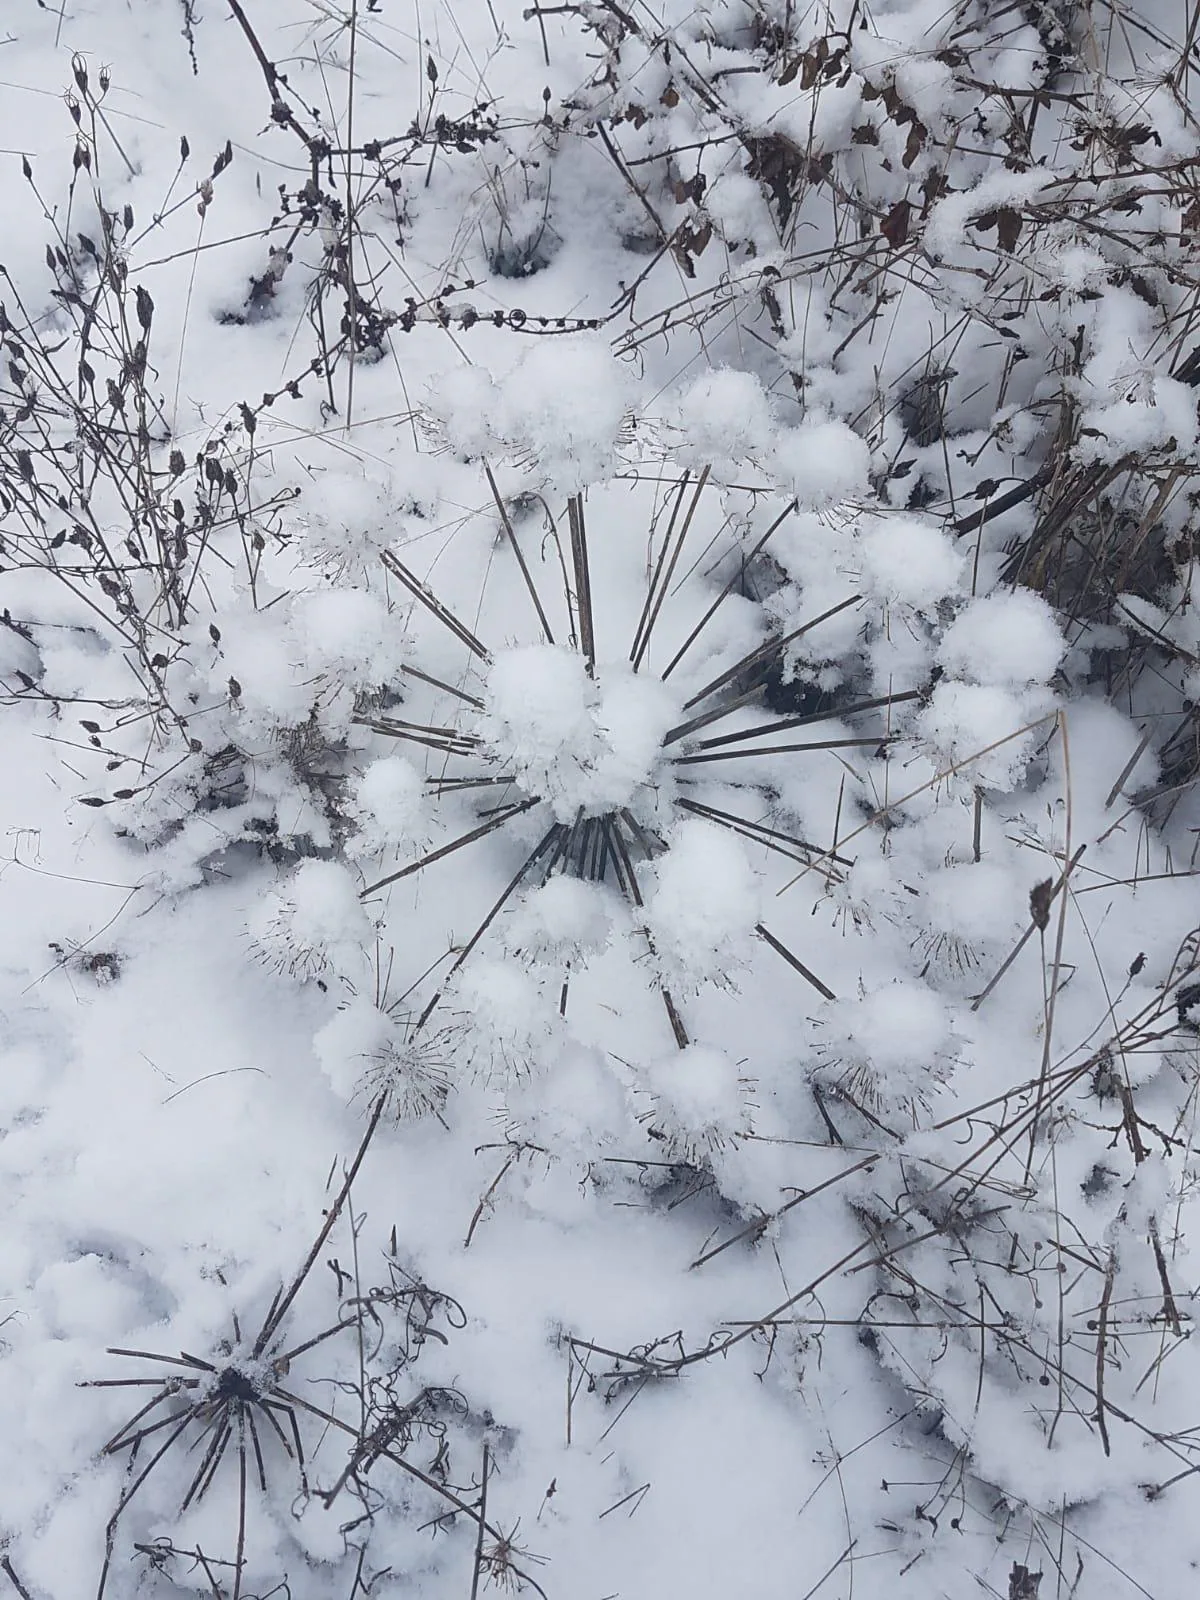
[1008,228]
[1040,897]
[894,226]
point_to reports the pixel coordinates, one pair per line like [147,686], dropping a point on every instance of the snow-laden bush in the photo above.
[599,658]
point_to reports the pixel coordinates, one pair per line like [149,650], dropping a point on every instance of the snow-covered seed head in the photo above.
[574,1112]
[699,1103]
[589,745]
[506,1028]
[889,1050]
[413,1070]
[312,924]
[564,922]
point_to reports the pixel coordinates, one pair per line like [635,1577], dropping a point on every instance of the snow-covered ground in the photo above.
[599,945]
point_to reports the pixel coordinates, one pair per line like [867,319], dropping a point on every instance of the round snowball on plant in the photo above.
[821,463]
[563,922]
[699,1103]
[576,741]
[971,911]
[723,416]
[350,634]
[389,802]
[258,654]
[1009,639]
[412,1069]
[703,906]
[574,1112]
[462,402]
[313,923]
[866,894]
[984,730]
[564,405]
[505,1025]
[343,520]
[739,210]
[906,561]
[347,1041]
[891,1049]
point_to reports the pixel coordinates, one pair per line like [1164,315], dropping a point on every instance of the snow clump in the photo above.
[723,417]
[700,1103]
[389,804]
[575,741]
[703,908]
[821,463]
[313,924]
[890,1049]
[908,562]
[1005,639]
[563,406]
[1001,649]
[505,1023]
[563,922]
[572,1113]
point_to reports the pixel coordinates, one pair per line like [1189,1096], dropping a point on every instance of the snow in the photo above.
[1005,639]
[703,906]
[389,805]
[891,1047]
[721,417]
[312,924]
[990,732]
[821,463]
[563,922]
[909,562]
[699,1102]
[715,1109]
[561,409]
[582,742]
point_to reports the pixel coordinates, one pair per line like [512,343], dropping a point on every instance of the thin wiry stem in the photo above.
[127,1497]
[123,1437]
[761,833]
[627,879]
[433,605]
[780,750]
[727,590]
[808,718]
[211,1459]
[758,657]
[258,1455]
[795,962]
[133,1441]
[453,785]
[444,740]
[490,826]
[447,688]
[506,521]
[271,1326]
[643,644]
[181,1360]
[583,582]
[240,1557]
[549,838]
[652,586]
[483,1489]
